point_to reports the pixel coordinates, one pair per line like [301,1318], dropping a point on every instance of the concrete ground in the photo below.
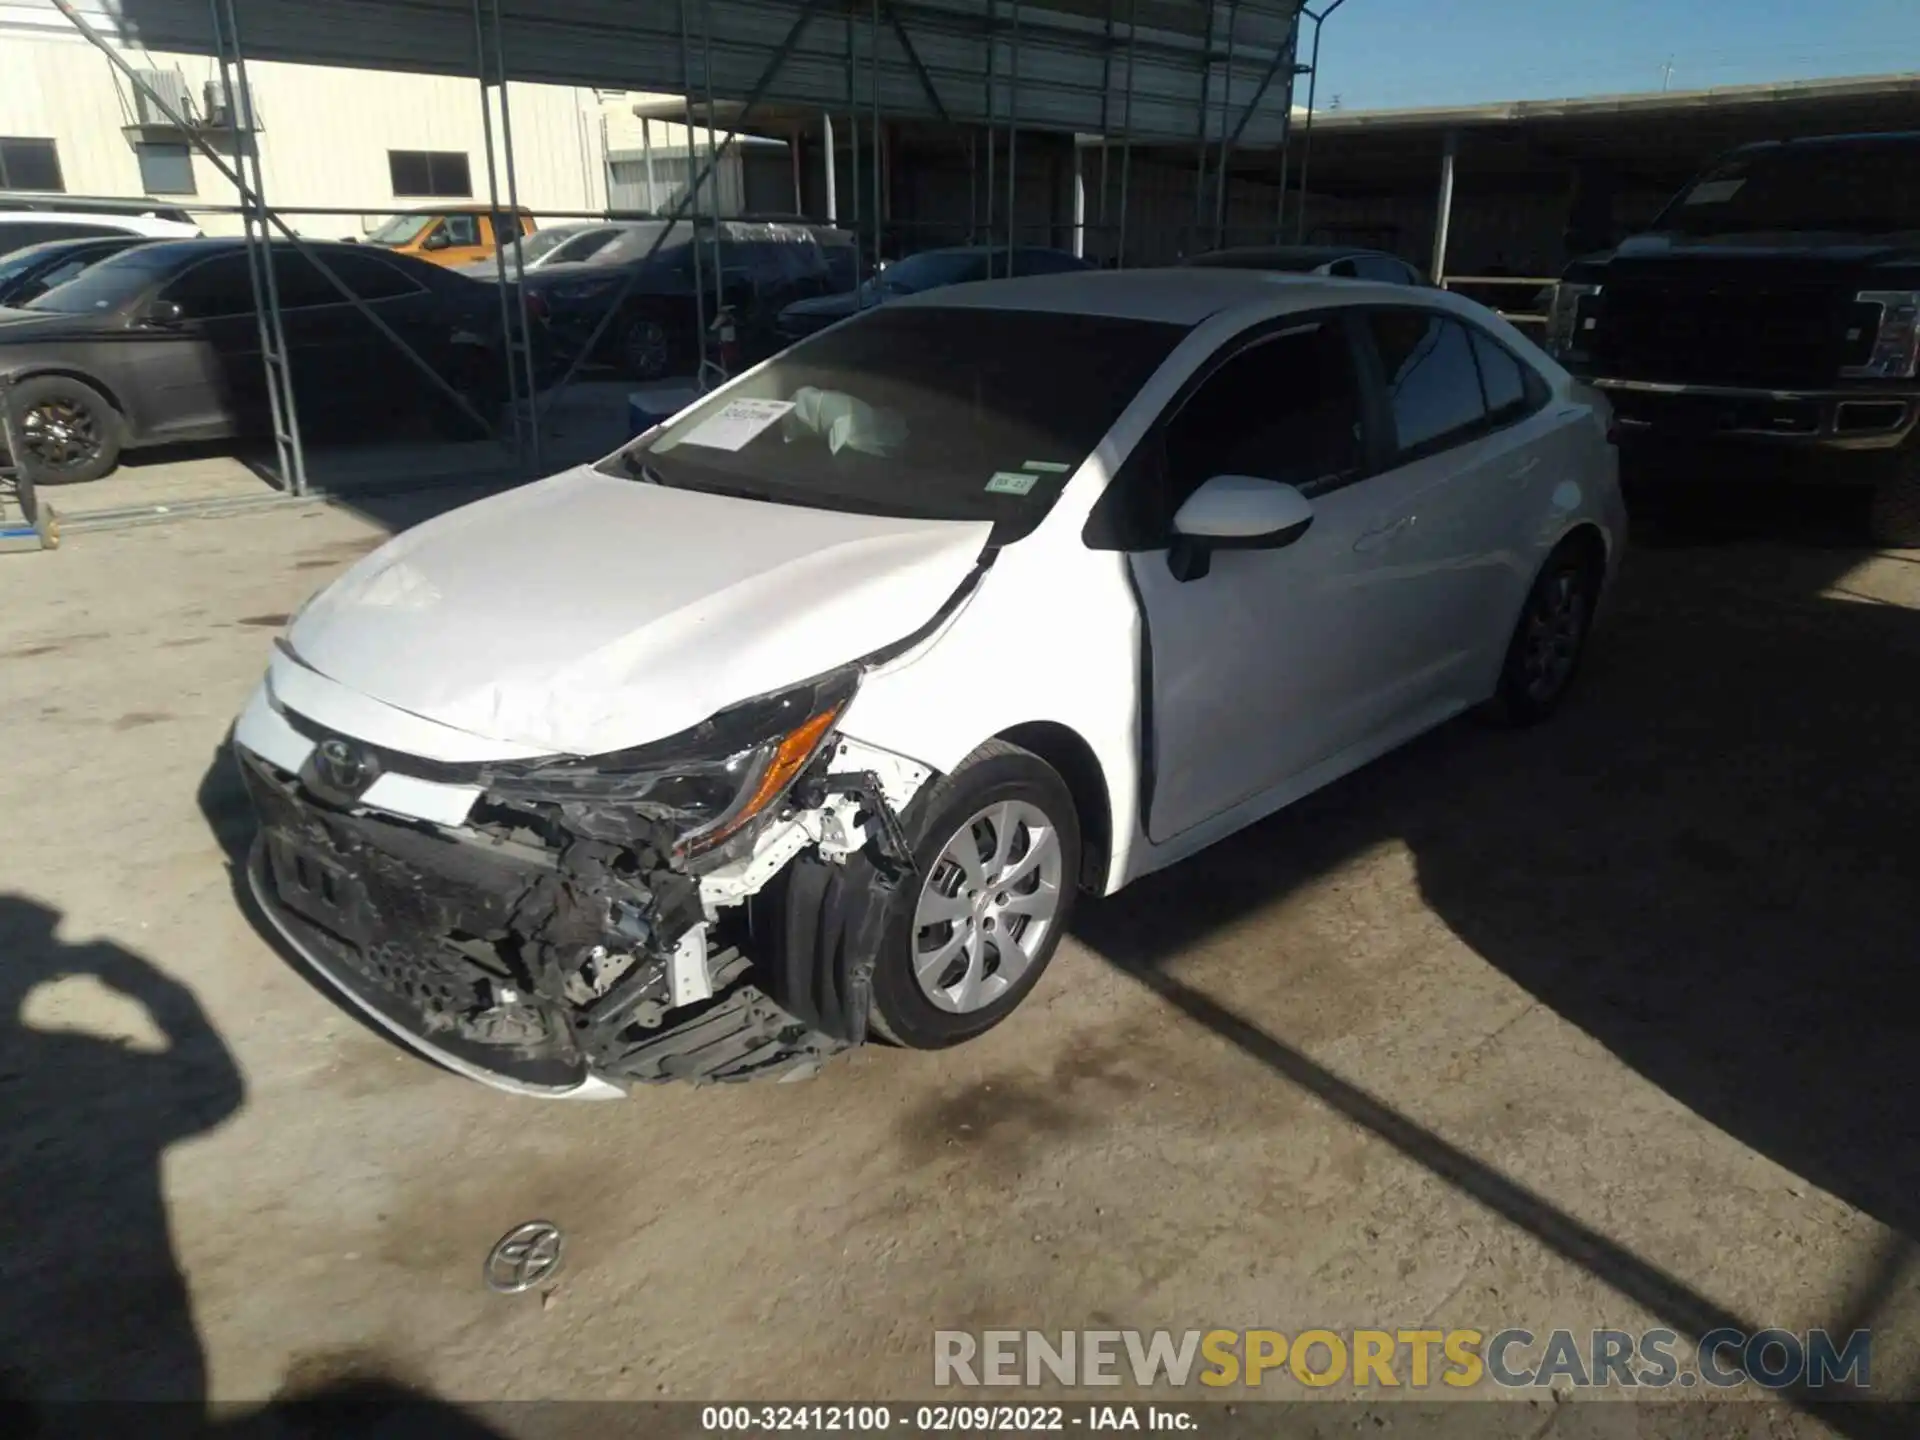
[1609,1023]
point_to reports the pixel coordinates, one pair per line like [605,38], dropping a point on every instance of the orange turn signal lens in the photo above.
[789,759]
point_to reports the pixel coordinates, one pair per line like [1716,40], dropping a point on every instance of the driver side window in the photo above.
[213,288]
[461,229]
[1287,407]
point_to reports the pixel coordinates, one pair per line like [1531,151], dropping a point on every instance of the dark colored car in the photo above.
[1345,261]
[928,270]
[28,274]
[1770,314]
[763,268]
[162,342]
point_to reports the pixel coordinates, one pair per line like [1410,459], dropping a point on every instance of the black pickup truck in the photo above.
[1773,306]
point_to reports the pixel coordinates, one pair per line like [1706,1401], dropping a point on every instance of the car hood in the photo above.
[586,613]
[36,327]
[1764,257]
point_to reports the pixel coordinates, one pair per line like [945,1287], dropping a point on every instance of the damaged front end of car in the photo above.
[704,907]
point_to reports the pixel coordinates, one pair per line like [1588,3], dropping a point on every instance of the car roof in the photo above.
[1307,255]
[127,222]
[124,240]
[1175,295]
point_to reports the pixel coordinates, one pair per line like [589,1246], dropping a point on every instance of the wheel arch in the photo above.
[1069,753]
[69,372]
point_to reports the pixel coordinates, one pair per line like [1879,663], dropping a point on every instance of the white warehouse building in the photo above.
[362,143]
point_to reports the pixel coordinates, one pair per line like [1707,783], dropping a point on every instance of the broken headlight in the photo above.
[705,785]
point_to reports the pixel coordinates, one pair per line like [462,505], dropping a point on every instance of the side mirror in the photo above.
[438,240]
[1235,512]
[165,315]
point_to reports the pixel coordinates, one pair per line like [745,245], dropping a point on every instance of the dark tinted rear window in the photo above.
[957,414]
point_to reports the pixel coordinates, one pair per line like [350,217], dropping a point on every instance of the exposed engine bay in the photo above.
[602,922]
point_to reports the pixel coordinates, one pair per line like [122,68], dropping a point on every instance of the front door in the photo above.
[1255,663]
[202,375]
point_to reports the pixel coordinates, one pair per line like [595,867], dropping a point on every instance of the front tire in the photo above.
[997,849]
[70,431]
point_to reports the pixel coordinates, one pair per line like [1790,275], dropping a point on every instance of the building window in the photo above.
[29,165]
[429,172]
[166,169]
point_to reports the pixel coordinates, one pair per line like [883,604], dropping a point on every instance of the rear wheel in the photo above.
[646,350]
[68,430]
[1551,636]
[997,849]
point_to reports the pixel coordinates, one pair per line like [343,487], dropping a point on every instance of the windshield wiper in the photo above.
[639,469]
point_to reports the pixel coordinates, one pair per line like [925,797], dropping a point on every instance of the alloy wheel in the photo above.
[1555,628]
[644,347]
[60,434]
[989,902]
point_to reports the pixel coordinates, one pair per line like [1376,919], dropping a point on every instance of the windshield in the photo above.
[954,414]
[401,230]
[19,263]
[110,284]
[1849,189]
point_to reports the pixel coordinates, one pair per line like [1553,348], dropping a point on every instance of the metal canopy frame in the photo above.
[1172,69]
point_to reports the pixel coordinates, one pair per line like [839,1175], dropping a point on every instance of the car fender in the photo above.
[1050,635]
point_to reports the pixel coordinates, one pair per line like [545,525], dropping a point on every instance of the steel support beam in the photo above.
[754,97]
[1443,207]
[1306,134]
[1126,131]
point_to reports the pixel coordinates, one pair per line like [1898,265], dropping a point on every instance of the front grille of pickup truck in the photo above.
[1763,337]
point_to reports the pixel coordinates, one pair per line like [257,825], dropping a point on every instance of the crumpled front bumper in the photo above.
[479,951]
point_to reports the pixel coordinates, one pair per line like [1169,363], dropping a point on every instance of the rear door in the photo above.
[1440,542]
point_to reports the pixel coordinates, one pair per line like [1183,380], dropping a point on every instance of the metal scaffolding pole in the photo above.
[1106,117]
[993,52]
[1013,126]
[693,198]
[754,97]
[1200,127]
[646,153]
[873,86]
[1443,207]
[713,166]
[1126,132]
[826,145]
[1220,170]
[1306,134]
[853,167]
[250,197]
[523,341]
[520,446]
[288,447]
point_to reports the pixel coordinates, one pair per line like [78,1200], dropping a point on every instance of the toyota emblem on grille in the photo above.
[524,1257]
[344,767]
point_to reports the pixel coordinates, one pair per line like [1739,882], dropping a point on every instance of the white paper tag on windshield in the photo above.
[1010,482]
[1046,467]
[736,423]
[1714,192]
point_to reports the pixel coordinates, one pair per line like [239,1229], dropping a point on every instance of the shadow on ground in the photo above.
[1706,862]
[97,1313]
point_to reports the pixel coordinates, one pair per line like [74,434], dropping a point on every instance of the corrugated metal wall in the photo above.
[1067,75]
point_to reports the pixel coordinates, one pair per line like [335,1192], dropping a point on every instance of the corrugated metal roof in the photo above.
[1065,66]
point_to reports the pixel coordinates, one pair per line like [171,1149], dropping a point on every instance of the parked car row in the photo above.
[158,341]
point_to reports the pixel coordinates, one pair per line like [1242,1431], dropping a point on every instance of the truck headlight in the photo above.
[707,784]
[1895,349]
[1569,319]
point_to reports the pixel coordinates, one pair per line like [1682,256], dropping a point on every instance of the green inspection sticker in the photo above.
[1047,467]
[1010,482]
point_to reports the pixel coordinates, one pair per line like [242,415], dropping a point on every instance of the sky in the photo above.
[1379,54]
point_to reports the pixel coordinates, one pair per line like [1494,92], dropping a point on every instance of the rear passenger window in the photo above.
[1502,376]
[1432,382]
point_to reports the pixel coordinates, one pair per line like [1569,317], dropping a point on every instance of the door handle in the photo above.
[1524,468]
[1383,535]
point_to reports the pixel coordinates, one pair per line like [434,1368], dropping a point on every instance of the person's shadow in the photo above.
[96,1306]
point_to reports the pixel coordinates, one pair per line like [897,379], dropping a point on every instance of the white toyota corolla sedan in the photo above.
[806,715]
